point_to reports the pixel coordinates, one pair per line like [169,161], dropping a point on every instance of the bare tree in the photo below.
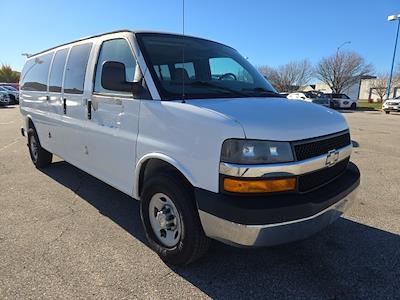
[379,86]
[288,77]
[341,70]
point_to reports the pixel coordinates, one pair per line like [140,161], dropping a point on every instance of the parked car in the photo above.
[391,105]
[12,92]
[341,101]
[14,85]
[284,94]
[310,96]
[4,98]
[205,143]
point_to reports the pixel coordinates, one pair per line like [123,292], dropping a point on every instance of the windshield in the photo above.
[10,88]
[200,69]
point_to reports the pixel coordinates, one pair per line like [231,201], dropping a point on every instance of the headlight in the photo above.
[255,152]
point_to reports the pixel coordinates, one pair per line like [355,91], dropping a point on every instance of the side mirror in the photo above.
[113,78]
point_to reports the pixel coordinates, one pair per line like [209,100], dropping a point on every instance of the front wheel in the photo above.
[171,220]
[387,112]
[41,158]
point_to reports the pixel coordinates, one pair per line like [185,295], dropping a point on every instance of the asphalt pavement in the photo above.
[64,234]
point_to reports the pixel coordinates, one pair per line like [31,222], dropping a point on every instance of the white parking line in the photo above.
[7,123]
[9,145]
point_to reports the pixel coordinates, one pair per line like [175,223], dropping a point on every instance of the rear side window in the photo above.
[225,68]
[162,72]
[57,71]
[188,67]
[76,69]
[35,73]
[115,50]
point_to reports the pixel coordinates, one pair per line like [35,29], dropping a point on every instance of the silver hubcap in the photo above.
[34,147]
[165,220]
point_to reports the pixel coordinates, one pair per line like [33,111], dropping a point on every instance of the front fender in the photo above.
[178,165]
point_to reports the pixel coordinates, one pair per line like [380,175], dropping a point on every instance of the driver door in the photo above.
[113,125]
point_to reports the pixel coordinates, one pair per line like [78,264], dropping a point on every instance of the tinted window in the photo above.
[35,73]
[189,68]
[115,50]
[225,68]
[162,72]
[201,69]
[76,69]
[57,71]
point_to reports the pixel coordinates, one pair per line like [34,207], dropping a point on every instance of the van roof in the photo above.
[106,33]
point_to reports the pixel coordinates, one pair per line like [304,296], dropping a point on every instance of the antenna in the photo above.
[183,50]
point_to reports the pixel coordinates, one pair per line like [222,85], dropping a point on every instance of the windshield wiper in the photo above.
[264,92]
[215,86]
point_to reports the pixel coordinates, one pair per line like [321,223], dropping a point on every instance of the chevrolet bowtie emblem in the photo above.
[332,158]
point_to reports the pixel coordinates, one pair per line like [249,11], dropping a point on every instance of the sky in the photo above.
[267,32]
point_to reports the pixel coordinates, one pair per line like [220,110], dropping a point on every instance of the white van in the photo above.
[191,129]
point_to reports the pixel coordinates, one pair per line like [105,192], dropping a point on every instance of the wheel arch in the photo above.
[28,122]
[156,161]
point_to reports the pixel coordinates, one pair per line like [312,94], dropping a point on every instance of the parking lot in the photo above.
[65,234]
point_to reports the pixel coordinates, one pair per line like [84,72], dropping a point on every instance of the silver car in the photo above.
[12,92]
[4,98]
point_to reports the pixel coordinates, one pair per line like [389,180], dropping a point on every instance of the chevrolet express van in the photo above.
[191,129]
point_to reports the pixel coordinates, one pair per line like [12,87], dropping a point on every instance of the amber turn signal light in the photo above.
[259,186]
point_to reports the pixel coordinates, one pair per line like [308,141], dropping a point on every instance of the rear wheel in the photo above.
[41,158]
[387,112]
[353,106]
[171,220]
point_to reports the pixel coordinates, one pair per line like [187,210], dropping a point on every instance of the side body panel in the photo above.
[190,136]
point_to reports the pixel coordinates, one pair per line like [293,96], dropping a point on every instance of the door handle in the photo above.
[65,105]
[89,109]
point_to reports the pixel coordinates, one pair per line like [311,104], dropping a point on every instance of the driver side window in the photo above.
[115,50]
[225,68]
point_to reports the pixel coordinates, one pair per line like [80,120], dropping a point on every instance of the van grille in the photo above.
[315,179]
[304,150]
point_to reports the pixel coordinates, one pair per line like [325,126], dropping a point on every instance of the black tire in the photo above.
[13,100]
[353,106]
[192,243]
[387,112]
[41,158]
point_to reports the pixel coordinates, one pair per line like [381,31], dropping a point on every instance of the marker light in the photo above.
[259,186]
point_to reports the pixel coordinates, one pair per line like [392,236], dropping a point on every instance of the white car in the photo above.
[392,105]
[204,142]
[341,101]
[311,96]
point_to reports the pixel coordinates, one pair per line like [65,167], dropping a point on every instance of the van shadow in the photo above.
[348,260]
[110,202]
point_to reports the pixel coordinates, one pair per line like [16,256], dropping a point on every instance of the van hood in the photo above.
[277,119]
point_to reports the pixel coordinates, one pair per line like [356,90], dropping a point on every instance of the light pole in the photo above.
[337,66]
[338,48]
[393,18]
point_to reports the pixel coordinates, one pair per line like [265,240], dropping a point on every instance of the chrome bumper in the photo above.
[273,234]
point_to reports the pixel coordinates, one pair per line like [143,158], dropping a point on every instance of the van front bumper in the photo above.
[255,221]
